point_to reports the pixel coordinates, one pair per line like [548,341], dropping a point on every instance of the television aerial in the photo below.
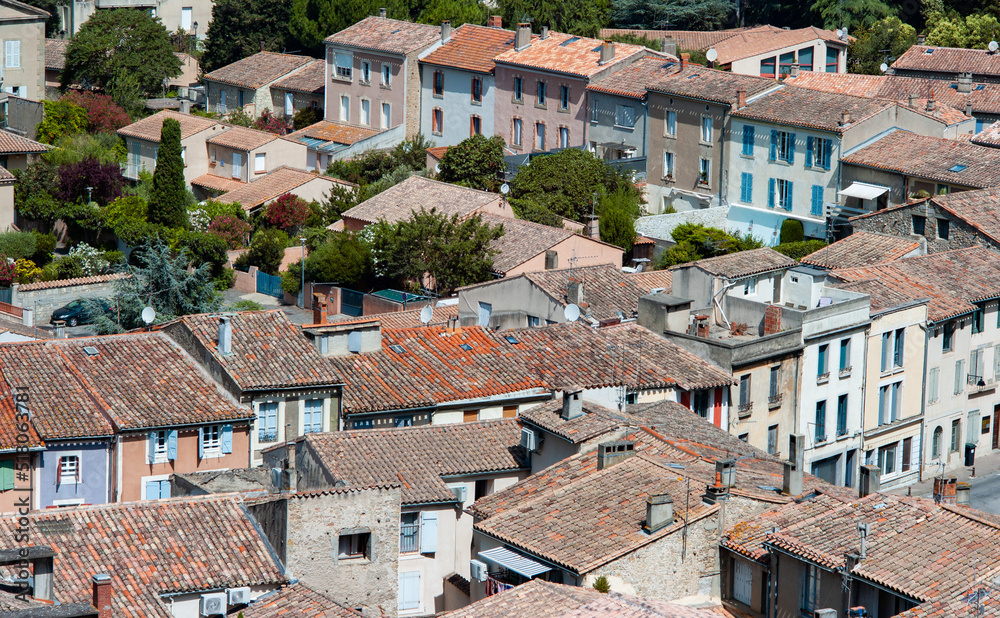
[572,312]
[505,188]
[148,315]
[711,55]
[993,46]
[883,67]
[426,313]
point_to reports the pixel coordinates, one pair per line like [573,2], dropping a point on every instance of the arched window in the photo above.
[936,443]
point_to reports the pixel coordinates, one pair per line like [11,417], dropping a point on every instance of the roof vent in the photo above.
[659,512]
[90,350]
[381,13]
[225,336]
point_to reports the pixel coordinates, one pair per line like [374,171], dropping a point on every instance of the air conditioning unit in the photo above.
[478,570]
[239,596]
[825,613]
[460,491]
[529,439]
[213,604]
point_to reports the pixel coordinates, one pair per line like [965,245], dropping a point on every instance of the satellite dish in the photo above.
[505,188]
[883,67]
[572,312]
[711,55]
[993,46]
[840,33]
[426,313]
[148,315]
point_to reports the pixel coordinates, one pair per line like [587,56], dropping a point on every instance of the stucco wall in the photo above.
[300,100]
[607,131]
[15,25]
[513,300]
[94,474]
[457,104]
[586,252]
[899,222]
[751,65]
[506,108]
[374,91]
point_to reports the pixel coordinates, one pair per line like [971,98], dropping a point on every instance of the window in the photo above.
[366,73]
[748,139]
[162,446]
[366,112]
[312,416]
[267,422]
[842,415]
[978,320]
[403,421]
[518,127]
[241,96]
[810,588]
[818,152]
[943,229]
[593,111]
[706,129]
[932,384]
[437,120]
[782,146]
[816,204]
[386,115]
[289,104]
[832,59]
[701,403]
[477,90]
[746,187]
[259,163]
[540,136]
[364,423]
[518,89]
[564,137]
[889,403]
[887,459]
[772,440]
[387,75]
[948,340]
[624,116]
[919,224]
[773,391]
[936,443]
[356,546]
[69,469]
[744,393]
[439,83]
[845,355]
[822,368]
[222,102]
[956,432]
[345,63]
[238,165]
[907,453]
[704,171]
[750,286]
[898,347]
[475,125]
[976,366]
[671,124]
[345,108]
[186,18]
[779,193]
[743,437]
[409,533]
[564,98]
[211,440]
[959,376]
[409,590]
[157,489]
[12,54]
[820,424]
[668,165]
[540,93]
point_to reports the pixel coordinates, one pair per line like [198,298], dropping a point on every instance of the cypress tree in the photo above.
[168,199]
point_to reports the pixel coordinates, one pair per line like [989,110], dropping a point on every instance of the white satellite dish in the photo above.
[840,33]
[505,188]
[572,312]
[883,67]
[993,46]
[148,315]
[711,55]
[426,313]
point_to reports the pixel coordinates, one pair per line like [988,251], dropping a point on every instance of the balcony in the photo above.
[267,436]
[978,384]
[745,409]
[845,372]
[774,401]
[823,378]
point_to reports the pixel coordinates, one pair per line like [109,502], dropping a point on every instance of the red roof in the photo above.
[472,48]
[566,53]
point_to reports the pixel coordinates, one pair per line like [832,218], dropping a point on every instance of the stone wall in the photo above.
[899,222]
[51,295]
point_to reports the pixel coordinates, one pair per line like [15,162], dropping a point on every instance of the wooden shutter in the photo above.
[172,444]
[428,532]
[6,474]
[409,590]
[227,438]
[152,490]
[151,447]
[809,151]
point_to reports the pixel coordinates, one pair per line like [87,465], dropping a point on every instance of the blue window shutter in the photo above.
[172,444]
[788,196]
[428,532]
[201,443]
[770,192]
[749,188]
[791,147]
[164,489]
[672,121]
[809,151]
[227,438]
[827,153]
[6,474]
[744,179]
[881,405]
[748,139]
[817,200]
[774,145]
[152,490]
[150,446]
[409,590]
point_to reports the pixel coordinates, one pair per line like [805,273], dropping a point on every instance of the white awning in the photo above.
[516,562]
[864,191]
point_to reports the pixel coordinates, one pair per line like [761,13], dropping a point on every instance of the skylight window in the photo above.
[571,40]
[980,86]
[958,168]
[929,50]
[466,347]
[90,350]
[511,339]
[693,76]
[398,349]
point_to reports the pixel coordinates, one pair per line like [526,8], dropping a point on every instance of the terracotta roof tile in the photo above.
[933,158]
[398,202]
[387,35]
[861,249]
[15,144]
[267,350]
[977,208]
[310,80]
[960,602]
[271,185]
[10,421]
[650,280]
[242,138]
[5,176]
[567,54]
[631,81]
[984,98]
[843,83]
[149,128]
[742,263]
[989,136]
[945,114]
[406,319]
[418,457]
[595,421]
[297,600]
[217,183]
[61,283]
[708,84]
[813,109]
[688,40]
[756,41]
[472,48]
[150,548]
[521,241]
[258,70]
[951,60]
[336,132]
[606,289]
[55,54]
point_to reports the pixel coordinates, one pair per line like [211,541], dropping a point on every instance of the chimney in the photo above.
[741,98]
[454,326]
[793,468]
[921,39]
[668,45]
[963,492]
[965,83]
[725,472]
[931,103]
[845,118]
[685,58]
[610,453]
[381,13]
[945,490]
[522,38]
[545,32]
[794,70]
[445,31]
[968,109]
[225,346]
[699,326]
[594,227]
[495,21]
[102,595]
[319,308]
[607,52]
[869,480]
[913,100]
[574,291]
[659,512]
[262,46]
[863,530]
[772,319]
[572,406]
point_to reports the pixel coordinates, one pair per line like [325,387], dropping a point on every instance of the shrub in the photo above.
[798,250]
[246,305]
[267,249]
[104,180]
[61,118]
[240,118]
[267,121]
[68,268]
[201,215]
[91,259]
[791,231]
[305,117]
[233,231]
[17,245]
[602,585]
[288,212]
[45,244]
[26,271]
[225,279]
[103,114]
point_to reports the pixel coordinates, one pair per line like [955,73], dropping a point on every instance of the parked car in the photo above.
[73,314]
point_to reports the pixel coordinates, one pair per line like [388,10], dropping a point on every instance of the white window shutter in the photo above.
[428,532]
[409,590]
[152,490]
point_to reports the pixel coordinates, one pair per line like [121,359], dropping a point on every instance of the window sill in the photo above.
[624,127]
[259,173]
[674,136]
[475,102]
[823,378]
[438,133]
[563,110]
[343,80]
[363,82]
[704,185]
[411,555]
[435,95]
[73,482]
[746,156]
[541,106]
[704,143]
[353,560]
[843,437]
[517,101]
[214,455]
[388,87]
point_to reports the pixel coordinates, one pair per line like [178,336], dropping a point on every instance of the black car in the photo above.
[73,314]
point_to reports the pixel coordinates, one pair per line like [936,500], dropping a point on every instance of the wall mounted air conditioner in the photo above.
[213,604]
[239,596]
[478,570]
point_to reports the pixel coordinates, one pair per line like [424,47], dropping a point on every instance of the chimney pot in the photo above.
[794,70]
[382,13]
[495,21]
[102,595]
[607,52]
[574,291]
[225,336]
[913,100]
[445,31]
[968,108]
[659,512]
[921,39]
[725,472]
[572,405]
[931,103]
[685,58]
[522,38]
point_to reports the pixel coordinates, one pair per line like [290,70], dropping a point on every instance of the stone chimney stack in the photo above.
[544,34]
[794,70]
[225,346]
[668,45]
[445,31]
[572,405]
[659,512]
[963,493]
[913,100]
[845,118]
[968,109]
[610,453]
[574,291]
[607,52]
[965,82]
[522,38]
[869,480]
[793,468]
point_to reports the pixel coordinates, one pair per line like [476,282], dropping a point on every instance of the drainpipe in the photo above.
[923,403]
[722,163]
[795,392]
[864,398]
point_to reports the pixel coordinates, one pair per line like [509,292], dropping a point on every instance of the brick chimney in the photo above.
[741,98]
[320,306]
[869,480]
[685,58]
[772,319]
[931,103]
[607,52]
[102,595]
[610,453]
[445,31]
[495,21]
[845,118]
[659,512]
[965,83]
[945,490]
[522,38]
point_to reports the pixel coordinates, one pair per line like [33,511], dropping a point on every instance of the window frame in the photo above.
[518,89]
[211,445]
[437,84]
[437,121]
[476,89]
[539,136]
[956,436]
[310,415]
[541,93]
[412,532]
[386,75]
[15,45]
[563,98]
[358,546]
[785,150]
[366,72]
[668,164]
[264,407]
[69,469]
[706,129]
[517,132]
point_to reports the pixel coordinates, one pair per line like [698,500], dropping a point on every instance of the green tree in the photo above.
[345,258]
[161,280]
[52,8]
[452,252]
[311,21]
[267,249]
[579,17]
[121,41]
[972,31]
[673,14]
[868,51]
[61,119]
[530,211]
[617,222]
[475,162]
[791,231]
[457,11]
[306,117]
[168,202]
[696,241]
[852,14]
[565,183]
[239,29]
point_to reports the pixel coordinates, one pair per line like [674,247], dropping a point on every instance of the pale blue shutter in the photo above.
[770,192]
[201,443]
[164,489]
[827,153]
[787,197]
[227,438]
[809,151]
[428,532]
[881,405]
[152,490]
[150,447]
[172,444]
[774,145]
[409,590]
[748,135]
[672,123]
[6,474]
[791,147]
